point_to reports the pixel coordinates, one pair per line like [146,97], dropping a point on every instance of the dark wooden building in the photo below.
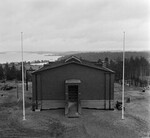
[73,84]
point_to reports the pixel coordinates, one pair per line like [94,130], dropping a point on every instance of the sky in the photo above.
[74,25]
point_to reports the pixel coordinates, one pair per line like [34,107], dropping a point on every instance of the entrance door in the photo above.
[73,93]
[73,101]
[72,97]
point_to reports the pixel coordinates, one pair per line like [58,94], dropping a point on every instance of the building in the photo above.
[73,84]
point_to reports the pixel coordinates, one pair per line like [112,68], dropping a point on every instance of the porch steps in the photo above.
[73,110]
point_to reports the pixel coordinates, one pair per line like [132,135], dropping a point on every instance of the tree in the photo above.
[19,73]
[6,71]
[135,68]
[1,72]
[106,61]
[12,73]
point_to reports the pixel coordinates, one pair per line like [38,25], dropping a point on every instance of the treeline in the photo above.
[8,72]
[135,70]
[137,64]
[94,56]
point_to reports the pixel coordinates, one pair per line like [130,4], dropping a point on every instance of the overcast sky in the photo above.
[74,25]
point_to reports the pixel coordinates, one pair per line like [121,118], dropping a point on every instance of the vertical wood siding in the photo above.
[95,84]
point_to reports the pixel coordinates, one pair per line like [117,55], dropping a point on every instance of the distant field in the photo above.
[91,124]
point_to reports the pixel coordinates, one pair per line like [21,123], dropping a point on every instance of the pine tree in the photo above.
[6,71]
[12,73]
[1,72]
[106,61]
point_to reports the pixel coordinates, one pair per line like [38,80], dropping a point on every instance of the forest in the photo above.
[10,72]
[137,64]
[136,68]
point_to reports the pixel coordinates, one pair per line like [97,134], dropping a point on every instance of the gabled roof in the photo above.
[72,60]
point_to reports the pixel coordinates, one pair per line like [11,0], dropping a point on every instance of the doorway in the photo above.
[72,94]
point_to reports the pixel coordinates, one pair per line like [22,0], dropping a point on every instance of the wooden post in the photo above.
[36,92]
[23,97]
[66,99]
[105,92]
[16,82]
[109,91]
[123,75]
[41,89]
[26,80]
[17,89]
[79,100]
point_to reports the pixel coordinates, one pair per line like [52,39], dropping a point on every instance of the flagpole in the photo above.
[123,75]
[22,77]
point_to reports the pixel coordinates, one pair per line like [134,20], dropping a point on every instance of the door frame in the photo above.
[70,83]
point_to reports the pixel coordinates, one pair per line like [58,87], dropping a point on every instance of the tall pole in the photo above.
[22,77]
[123,75]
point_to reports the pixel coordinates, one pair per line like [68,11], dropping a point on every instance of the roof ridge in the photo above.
[81,62]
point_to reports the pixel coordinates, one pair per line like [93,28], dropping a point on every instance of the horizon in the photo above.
[76,51]
[31,56]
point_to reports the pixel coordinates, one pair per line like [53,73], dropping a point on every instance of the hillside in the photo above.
[91,124]
[94,56]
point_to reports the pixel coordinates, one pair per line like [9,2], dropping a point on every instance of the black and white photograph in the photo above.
[75,69]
